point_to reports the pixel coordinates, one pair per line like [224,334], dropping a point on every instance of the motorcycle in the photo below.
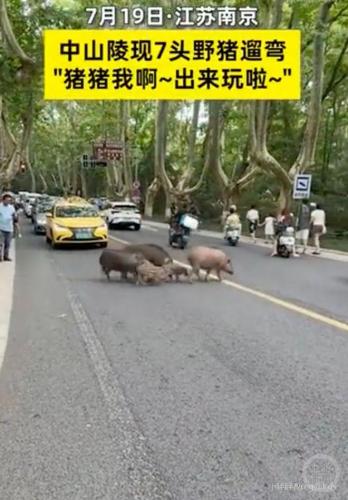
[232,235]
[286,242]
[179,236]
[179,233]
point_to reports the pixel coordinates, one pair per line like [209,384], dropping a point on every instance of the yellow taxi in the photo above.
[74,220]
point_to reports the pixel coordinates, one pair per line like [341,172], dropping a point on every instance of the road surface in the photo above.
[186,392]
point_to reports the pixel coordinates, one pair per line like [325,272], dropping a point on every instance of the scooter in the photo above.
[232,235]
[286,242]
[179,236]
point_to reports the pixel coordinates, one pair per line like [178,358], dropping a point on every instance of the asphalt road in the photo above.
[186,392]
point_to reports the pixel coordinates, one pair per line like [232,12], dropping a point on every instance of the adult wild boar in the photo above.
[118,260]
[209,259]
[151,252]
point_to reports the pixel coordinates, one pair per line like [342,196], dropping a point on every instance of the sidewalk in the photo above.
[7,273]
[325,254]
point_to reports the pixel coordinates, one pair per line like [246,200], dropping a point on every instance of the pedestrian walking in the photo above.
[268,224]
[8,223]
[318,223]
[303,225]
[253,218]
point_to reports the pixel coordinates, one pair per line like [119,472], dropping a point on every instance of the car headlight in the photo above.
[58,227]
[103,226]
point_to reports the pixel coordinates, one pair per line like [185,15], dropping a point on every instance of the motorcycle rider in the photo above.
[284,220]
[233,220]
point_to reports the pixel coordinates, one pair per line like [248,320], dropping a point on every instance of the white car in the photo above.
[123,214]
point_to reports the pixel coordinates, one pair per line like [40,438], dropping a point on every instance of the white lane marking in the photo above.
[341,325]
[147,227]
[136,473]
[7,273]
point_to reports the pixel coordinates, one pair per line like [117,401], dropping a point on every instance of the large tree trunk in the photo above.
[33,178]
[150,197]
[9,36]
[160,152]
[124,114]
[307,152]
[63,184]
[43,182]
[259,153]
[84,184]
[189,171]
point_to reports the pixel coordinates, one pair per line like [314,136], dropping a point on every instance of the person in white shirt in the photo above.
[318,223]
[253,218]
[268,223]
[8,222]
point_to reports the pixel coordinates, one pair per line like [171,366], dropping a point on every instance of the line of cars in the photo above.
[74,220]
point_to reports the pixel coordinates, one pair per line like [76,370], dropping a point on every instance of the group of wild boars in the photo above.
[209,259]
[152,264]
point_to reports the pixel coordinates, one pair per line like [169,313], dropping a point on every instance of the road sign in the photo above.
[302,186]
[85,161]
[107,150]
[90,162]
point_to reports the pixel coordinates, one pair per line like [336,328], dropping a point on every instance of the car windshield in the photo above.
[129,208]
[76,211]
[42,209]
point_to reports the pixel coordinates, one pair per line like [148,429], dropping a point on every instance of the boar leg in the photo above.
[207,275]
[218,274]
[139,279]
[195,270]
[106,272]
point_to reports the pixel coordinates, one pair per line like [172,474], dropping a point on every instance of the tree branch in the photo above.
[9,36]
[308,148]
[331,83]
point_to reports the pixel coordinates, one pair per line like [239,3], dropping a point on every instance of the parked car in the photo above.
[123,214]
[75,221]
[43,198]
[40,216]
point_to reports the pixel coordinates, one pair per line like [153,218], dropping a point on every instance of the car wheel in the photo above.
[104,244]
[137,227]
[53,244]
